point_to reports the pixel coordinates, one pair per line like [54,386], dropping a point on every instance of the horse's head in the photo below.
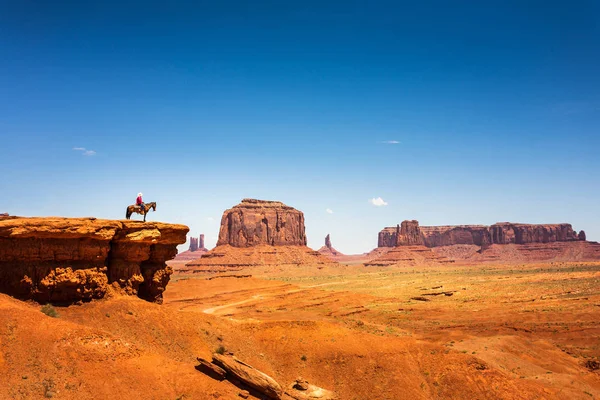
[153,205]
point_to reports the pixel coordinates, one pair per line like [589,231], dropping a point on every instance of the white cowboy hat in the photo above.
[140,194]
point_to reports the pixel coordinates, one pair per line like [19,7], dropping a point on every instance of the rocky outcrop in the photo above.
[581,235]
[410,233]
[193,244]
[388,237]
[259,233]
[72,259]
[406,234]
[328,249]
[508,233]
[197,244]
[3,215]
[259,222]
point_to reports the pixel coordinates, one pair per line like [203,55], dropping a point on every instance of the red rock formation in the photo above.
[506,233]
[410,234]
[435,236]
[193,244]
[258,222]
[500,233]
[328,249]
[388,237]
[201,243]
[4,215]
[581,235]
[258,232]
[71,259]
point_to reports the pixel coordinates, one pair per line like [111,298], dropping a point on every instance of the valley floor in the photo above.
[529,331]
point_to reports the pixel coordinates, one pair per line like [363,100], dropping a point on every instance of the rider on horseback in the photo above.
[139,202]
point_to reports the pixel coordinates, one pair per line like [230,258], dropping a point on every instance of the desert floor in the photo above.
[447,332]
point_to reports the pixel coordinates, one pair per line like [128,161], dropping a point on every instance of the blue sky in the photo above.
[495,105]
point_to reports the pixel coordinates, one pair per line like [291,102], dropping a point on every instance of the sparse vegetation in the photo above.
[303,357]
[50,311]
[221,350]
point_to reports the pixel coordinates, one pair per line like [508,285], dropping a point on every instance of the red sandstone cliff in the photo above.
[410,233]
[255,222]
[72,259]
[259,232]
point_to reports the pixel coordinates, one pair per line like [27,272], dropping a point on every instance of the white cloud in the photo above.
[329,211]
[210,219]
[85,151]
[378,202]
[390,142]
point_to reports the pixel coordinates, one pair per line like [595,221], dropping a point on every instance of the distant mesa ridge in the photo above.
[410,233]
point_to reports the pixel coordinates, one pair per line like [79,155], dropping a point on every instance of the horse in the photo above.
[137,209]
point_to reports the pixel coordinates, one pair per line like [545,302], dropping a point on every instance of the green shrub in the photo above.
[50,311]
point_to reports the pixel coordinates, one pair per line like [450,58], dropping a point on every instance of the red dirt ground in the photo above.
[487,332]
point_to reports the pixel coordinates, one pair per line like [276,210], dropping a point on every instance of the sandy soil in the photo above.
[444,332]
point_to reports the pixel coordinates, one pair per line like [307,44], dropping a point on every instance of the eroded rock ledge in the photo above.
[72,259]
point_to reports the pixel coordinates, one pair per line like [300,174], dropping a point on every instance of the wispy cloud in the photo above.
[390,142]
[329,211]
[210,219]
[85,151]
[378,202]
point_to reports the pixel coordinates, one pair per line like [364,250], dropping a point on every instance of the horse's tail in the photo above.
[127,213]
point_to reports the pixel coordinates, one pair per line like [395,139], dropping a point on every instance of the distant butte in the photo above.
[481,243]
[260,232]
[328,249]
[195,250]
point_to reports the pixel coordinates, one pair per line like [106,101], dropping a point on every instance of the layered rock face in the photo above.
[259,233]
[259,222]
[405,234]
[72,259]
[410,233]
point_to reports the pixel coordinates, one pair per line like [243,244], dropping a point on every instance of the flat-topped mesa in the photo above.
[71,259]
[260,222]
[409,233]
